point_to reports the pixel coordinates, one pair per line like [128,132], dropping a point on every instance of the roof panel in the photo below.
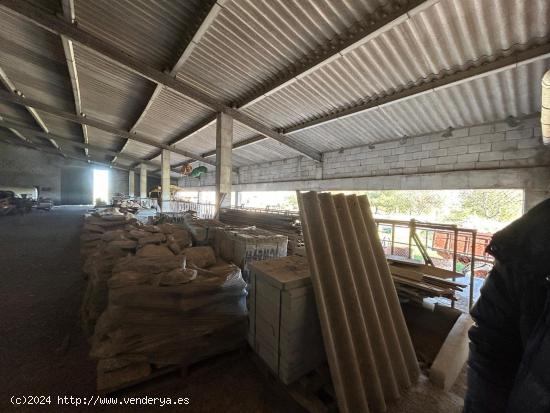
[170,115]
[449,36]
[251,41]
[109,92]
[33,60]
[494,97]
[152,31]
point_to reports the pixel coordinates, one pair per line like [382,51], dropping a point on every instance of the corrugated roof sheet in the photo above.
[152,31]
[486,99]
[251,41]
[33,61]
[447,37]
[110,92]
[169,115]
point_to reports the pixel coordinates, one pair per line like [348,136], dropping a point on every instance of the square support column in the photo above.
[165,181]
[143,182]
[131,183]
[224,146]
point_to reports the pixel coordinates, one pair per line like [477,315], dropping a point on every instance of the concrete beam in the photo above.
[69,15]
[50,150]
[55,25]
[165,181]
[97,124]
[224,141]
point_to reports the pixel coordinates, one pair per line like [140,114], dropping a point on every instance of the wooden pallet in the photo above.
[313,392]
[145,378]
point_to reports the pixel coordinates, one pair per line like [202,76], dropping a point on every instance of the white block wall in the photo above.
[485,156]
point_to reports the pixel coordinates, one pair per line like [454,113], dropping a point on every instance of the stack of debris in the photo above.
[165,310]
[287,224]
[413,283]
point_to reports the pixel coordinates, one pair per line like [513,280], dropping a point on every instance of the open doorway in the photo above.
[101,186]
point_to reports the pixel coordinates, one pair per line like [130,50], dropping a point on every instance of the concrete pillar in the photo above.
[143,182]
[131,183]
[224,144]
[165,181]
[237,199]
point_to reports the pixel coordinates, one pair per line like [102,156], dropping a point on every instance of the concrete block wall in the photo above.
[492,155]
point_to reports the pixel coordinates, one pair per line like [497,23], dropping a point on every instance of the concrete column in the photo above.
[224,144]
[143,182]
[165,181]
[237,199]
[131,183]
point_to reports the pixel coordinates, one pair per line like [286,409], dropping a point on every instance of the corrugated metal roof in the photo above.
[251,41]
[265,151]
[152,31]
[110,92]
[34,62]
[449,36]
[513,92]
[169,115]
[139,149]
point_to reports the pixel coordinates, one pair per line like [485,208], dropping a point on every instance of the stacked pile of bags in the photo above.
[153,300]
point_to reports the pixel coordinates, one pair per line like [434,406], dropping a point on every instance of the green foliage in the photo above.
[493,204]
[405,202]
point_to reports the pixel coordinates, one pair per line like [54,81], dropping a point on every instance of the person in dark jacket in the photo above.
[509,362]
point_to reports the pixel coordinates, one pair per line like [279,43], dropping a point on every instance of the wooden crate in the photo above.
[284,327]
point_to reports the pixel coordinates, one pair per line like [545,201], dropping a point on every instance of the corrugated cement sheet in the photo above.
[369,349]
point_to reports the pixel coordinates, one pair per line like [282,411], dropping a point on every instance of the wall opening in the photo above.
[101,185]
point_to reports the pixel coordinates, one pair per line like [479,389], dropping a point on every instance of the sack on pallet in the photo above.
[201,257]
[172,316]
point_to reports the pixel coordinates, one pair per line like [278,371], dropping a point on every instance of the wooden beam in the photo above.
[98,124]
[55,25]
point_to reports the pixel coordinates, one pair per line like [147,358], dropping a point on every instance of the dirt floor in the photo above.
[44,353]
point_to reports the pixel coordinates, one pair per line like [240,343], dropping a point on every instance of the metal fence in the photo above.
[204,211]
[446,246]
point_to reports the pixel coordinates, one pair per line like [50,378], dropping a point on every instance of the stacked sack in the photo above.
[109,236]
[166,309]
